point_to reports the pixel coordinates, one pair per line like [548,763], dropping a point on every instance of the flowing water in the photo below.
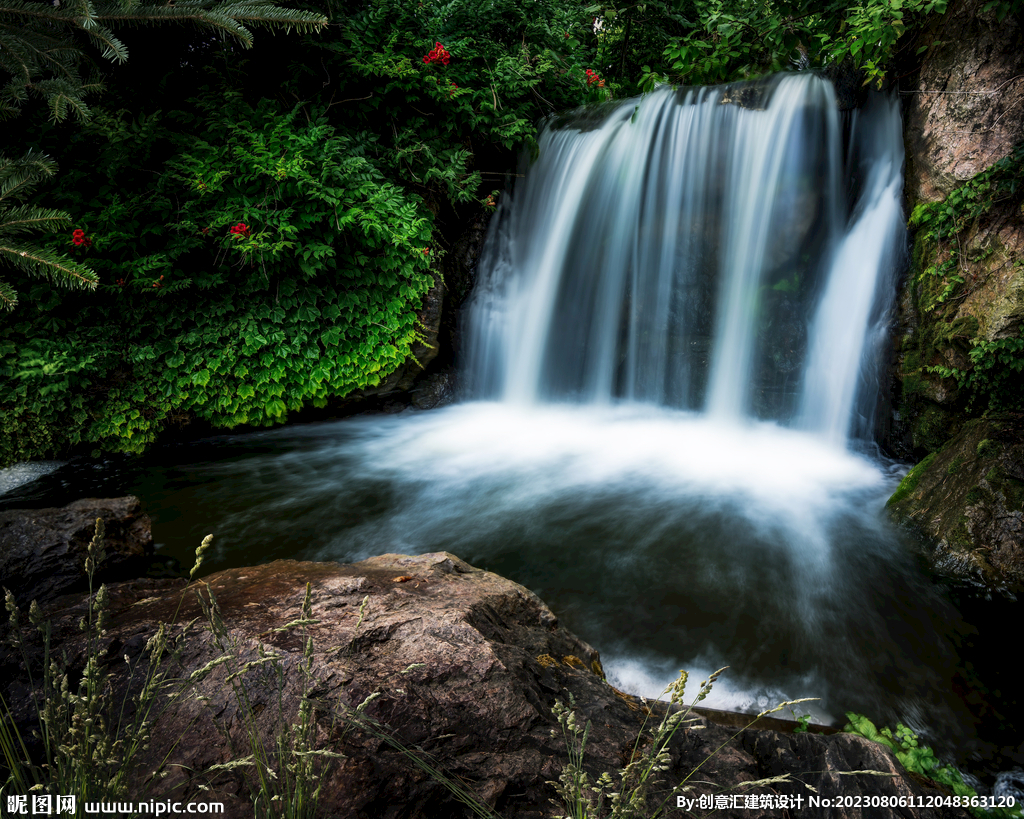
[672,360]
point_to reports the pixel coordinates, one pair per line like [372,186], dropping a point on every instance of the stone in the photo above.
[967,503]
[457,667]
[42,551]
[963,112]
[964,108]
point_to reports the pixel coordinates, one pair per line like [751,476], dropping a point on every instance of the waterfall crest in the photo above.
[698,249]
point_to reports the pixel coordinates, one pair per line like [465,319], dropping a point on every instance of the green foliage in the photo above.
[944,222]
[1002,8]
[317,300]
[256,256]
[993,378]
[729,40]
[18,178]
[990,377]
[42,45]
[921,759]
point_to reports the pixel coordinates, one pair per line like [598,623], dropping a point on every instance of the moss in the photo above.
[960,535]
[931,429]
[954,465]
[910,481]
[977,495]
[987,447]
[1010,488]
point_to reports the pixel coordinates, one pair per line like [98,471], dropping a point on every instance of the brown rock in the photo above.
[42,551]
[461,666]
[965,108]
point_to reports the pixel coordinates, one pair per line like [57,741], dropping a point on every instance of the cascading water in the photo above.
[696,250]
[673,339]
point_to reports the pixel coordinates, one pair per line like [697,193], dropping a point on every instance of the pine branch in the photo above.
[29,218]
[55,267]
[222,16]
[8,298]
[18,177]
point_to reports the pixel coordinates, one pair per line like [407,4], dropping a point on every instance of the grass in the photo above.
[629,793]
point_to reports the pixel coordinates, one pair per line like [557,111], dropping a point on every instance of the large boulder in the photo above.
[458,668]
[43,551]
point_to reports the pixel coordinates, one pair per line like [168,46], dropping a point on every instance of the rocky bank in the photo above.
[456,667]
[963,294]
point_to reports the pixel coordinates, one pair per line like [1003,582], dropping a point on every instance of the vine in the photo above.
[991,378]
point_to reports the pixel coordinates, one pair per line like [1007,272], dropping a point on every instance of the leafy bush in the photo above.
[921,759]
[991,381]
[258,253]
[729,40]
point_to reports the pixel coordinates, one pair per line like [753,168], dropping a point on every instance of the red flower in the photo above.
[438,52]
[241,229]
[78,239]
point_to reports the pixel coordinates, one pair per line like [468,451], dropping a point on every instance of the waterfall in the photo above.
[702,249]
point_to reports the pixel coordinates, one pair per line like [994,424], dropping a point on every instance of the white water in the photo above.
[676,251]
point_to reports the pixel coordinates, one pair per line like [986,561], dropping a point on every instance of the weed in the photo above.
[86,745]
[627,794]
[289,774]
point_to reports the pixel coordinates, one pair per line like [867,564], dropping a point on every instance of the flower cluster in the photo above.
[438,52]
[452,88]
[490,203]
[158,282]
[241,229]
[593,77]
[79,239]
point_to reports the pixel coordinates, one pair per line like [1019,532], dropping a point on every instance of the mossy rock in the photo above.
[967,501]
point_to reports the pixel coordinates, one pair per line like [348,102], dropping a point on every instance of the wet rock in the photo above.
[436,390]
[42,551]
[460,667]
[967,503]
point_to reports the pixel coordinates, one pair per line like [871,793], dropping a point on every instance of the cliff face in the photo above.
[959,350]
[964,106]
